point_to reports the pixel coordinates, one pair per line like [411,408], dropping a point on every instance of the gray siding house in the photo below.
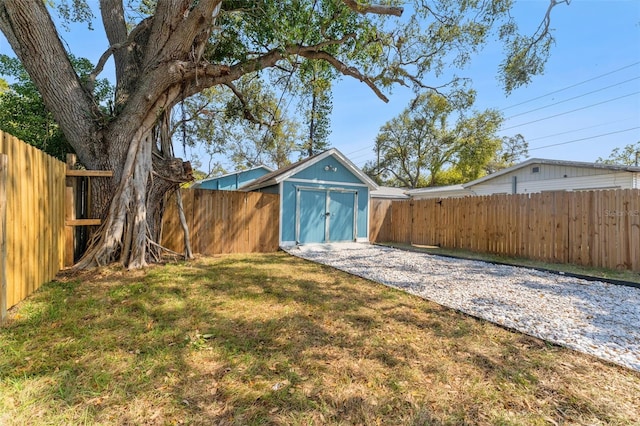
[541,175]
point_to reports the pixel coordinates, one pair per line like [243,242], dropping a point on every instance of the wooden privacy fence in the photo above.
[32,230]
[589,228]
[223,222]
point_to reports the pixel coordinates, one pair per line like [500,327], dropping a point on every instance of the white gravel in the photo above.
[596,318]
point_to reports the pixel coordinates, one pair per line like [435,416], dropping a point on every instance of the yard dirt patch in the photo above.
[273,339]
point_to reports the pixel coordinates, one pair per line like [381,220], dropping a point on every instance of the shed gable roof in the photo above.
[237,172]
[284,173]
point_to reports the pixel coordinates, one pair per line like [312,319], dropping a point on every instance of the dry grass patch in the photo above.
[271,339]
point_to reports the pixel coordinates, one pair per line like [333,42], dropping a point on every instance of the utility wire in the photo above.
[584,139]
[578,130]
[573,98]
[573,110]
[570,87]
[358,150]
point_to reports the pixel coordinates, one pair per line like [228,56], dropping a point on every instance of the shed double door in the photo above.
[325,215]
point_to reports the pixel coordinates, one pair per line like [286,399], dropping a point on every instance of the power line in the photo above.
[573,110]
[584,139]
[573,98]
[358,150]
[570,87]
[578,130]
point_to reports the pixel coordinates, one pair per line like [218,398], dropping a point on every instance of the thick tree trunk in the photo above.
[133,205]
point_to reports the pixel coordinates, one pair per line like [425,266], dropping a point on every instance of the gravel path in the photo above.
[592,317]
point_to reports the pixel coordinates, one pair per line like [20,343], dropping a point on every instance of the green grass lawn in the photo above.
[272,339]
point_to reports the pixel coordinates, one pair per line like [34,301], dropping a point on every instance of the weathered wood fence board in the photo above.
[4,162]
[223,222]
[34,208]
[595,228]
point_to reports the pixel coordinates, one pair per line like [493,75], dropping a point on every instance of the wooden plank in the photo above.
[198,237]
[169,237]
[621,222]
[252,223]
[83,222]
[587,218]
[634,229]
[70,212]
[596,220]
[573,235]
[606,228]
[4,163]
[523,232]
[13,224]
[380,218]
[41,219]
[89,173]
[22,238]
[59,197]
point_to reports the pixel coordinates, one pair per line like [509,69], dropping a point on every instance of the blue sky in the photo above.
[596,40]
[586,103]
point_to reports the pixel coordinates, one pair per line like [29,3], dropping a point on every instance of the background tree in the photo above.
[628,155]
[24,114]
[243,123]
[316,106]
[513,150]
[169,50]
[421,148]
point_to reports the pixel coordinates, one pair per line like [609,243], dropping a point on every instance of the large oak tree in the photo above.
[169,50]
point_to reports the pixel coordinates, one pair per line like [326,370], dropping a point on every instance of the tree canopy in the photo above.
[628,155]
[435,141]
[23,113]
[166,51]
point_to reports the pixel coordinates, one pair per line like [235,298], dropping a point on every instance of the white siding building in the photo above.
[540,175]
[390,193]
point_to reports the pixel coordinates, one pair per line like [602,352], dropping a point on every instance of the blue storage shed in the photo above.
[233,181]
[324,198]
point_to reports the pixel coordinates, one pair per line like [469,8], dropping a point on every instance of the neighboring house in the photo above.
[541,175]
[323,198]
[390,193]
[449,191]
[233,181]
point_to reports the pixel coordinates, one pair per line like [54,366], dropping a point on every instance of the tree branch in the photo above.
[115,27]
[543,29]
[374,9]
[245,106]
[103,60]
[344,69]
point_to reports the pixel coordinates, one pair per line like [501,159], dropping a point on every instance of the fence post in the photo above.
[70,213]
[4,162]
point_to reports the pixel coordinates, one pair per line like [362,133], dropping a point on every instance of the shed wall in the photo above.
[317,173]
[288,223]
